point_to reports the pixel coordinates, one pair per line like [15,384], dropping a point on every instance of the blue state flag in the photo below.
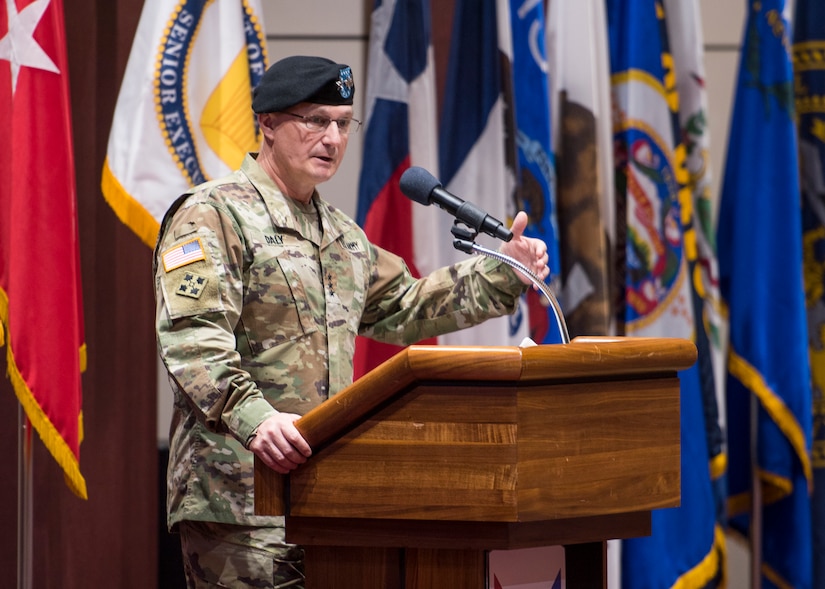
[687,48]
[761,283]
[809,73]
[654,256]
[475,159]
[535,165]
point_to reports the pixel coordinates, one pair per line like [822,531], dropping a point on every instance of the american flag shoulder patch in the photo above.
[183,254]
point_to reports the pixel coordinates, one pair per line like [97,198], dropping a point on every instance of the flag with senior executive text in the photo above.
[41,313]
[184,112]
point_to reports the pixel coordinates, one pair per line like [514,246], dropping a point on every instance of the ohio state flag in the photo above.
[40,301]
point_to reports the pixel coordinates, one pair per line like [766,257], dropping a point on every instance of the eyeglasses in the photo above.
[319,123]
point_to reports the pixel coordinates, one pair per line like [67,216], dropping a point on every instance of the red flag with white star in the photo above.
[40,300]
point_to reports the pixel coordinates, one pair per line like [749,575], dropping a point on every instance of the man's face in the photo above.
[302,157]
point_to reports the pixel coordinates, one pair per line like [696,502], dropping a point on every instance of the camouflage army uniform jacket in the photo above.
[259,301]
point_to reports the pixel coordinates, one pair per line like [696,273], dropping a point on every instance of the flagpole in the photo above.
[756,498]
[24,501]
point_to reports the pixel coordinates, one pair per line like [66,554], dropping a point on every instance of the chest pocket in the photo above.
[346,268]
[278,306]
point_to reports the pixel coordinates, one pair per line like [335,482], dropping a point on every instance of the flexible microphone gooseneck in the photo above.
[422,187]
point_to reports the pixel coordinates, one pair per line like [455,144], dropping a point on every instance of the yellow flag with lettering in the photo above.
[184,112]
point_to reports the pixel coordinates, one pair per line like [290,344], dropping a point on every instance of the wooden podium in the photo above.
[444,453]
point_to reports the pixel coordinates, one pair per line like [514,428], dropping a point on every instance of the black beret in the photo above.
[303,79]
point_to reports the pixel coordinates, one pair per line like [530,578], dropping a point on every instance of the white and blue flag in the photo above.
[184,112]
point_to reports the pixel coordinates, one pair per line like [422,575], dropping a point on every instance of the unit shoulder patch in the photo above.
[189,279]
[191,285]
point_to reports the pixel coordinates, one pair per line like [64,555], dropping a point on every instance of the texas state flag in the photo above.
[400,131]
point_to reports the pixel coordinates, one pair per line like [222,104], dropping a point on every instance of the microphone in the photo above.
[422,187]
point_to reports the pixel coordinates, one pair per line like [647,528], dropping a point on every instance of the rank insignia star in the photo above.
[191,285]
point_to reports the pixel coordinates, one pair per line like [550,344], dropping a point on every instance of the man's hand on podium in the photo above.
[279,443]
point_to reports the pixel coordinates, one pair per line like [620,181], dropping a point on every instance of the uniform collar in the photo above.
[283,210]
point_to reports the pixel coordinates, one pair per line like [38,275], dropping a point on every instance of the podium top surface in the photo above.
[584,358]
[589,429]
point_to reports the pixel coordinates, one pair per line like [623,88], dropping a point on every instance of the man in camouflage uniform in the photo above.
[261,290]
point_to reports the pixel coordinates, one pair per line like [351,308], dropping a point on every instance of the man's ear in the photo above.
[266,121]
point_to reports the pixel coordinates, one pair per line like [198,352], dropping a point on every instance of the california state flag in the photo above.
[40,300]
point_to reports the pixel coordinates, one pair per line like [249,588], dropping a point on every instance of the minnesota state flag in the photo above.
[656,250]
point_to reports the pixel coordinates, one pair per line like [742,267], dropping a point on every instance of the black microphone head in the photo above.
[418,184]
